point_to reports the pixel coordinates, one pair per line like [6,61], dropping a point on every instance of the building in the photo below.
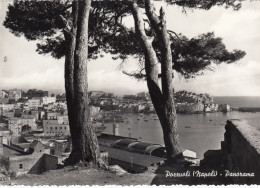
[32,160]
[35,113]
[6,107]
[141,95]
[93,110]
[18,112]
[53,128]
[63,119]
[129,97]
[199,107]
[15,126]
[52,115]
[224,107]
[36,147]
[134,155]
[4,100]
[33,103]
[109,140]
[120,152]
[9,114]
[41,113]
[61,147]
[214,107]
[48,100]
[3,94]
[5,136]
[29,122]
[207,108]
[96,93]
[29,116]
[15,94]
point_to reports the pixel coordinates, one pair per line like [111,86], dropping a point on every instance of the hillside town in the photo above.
[35,132]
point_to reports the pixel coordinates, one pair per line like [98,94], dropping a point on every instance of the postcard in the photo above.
[125,92]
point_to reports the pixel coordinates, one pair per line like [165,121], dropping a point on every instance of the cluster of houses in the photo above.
[186,102]
[34,127]
[127,104]
[23,123]
[189,102]
[34,130]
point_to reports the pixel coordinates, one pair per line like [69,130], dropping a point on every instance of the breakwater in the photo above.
[249,109]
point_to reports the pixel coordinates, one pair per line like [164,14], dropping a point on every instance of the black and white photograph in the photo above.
[129,92]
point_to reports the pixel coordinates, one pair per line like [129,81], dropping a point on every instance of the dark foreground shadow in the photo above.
[188,175]
[212,171]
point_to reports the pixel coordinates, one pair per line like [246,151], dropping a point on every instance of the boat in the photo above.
[187,127]
[146,120]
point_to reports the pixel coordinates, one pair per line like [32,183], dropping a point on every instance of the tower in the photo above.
[115,129]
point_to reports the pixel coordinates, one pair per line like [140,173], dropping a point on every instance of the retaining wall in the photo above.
[242,146]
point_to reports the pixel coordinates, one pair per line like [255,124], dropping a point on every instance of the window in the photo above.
[56,128]
[20,166]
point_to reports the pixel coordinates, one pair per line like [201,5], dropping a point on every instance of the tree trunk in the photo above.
[70,40]
[163,101]
[86,144]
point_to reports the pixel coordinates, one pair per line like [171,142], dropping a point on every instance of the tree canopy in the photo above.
[44,21]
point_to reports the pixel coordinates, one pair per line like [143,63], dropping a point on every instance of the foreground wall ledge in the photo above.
[249,132]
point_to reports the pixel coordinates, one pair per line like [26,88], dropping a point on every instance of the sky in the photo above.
[26,69]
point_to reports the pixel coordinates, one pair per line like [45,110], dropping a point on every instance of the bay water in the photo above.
[197,132]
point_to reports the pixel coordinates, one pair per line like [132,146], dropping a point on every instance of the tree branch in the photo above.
[151,61]
[174,34]
[65,23]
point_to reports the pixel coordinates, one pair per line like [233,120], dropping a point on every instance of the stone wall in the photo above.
[238,160]
[50,162]
[24,163]
[242,149]
[32,164]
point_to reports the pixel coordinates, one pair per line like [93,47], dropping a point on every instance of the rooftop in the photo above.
[125,142]
[110,137]
[144,145]
[3,129]
[34,143]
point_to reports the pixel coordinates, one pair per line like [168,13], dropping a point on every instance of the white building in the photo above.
[7,107]
[5,136]
[34,103]
[48,100]
[63,119]
[15,94]
[3,94]
[15,126]
[224,107]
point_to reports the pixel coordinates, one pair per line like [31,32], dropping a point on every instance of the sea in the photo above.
[197,132]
